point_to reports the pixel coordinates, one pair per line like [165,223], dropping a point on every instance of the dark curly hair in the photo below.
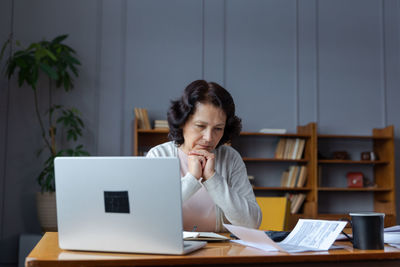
[204,92]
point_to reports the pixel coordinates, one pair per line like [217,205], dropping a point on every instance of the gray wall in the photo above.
[286,62]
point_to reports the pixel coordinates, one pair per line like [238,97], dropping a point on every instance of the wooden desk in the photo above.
[47,253]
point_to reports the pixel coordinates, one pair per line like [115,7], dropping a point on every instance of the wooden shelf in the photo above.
[361,137]
[246,159]
[346,189]
[260,188]
[154,131]
[382,140]
[289,135]
[346,161]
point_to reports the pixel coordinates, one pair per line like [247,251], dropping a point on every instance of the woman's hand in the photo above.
[201,163]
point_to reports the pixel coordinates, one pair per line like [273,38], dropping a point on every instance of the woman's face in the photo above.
[204,129]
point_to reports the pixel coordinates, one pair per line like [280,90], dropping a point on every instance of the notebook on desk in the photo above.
[120,204]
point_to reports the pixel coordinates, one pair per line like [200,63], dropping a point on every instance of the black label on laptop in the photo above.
[116,201]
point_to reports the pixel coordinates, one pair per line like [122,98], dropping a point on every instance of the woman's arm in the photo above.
[189,183]
[234,194]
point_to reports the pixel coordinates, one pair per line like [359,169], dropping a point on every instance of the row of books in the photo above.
[142,118]
[295,176]
[161,124]
[296,201]
[290,148]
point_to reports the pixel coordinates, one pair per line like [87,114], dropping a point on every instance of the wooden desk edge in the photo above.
[191,259]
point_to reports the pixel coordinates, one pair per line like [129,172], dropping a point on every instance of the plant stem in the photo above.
[40,121]
[50,100]
[51,127]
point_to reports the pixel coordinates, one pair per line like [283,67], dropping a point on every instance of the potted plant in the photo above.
[63,126]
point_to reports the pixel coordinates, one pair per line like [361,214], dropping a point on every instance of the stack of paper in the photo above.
[391,236]
[308,235]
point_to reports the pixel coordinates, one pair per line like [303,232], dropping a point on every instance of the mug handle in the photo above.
[346,235]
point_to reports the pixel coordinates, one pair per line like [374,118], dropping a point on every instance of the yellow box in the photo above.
[275,213]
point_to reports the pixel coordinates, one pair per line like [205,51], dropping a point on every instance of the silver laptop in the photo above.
[120,204]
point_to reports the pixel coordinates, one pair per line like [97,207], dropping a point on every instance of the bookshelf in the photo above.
[265,161]
[380,172]
[316,191]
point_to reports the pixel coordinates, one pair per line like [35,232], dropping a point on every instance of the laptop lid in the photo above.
[119,204]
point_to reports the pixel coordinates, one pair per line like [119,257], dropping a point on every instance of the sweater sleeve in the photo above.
[235,196]
[189,183]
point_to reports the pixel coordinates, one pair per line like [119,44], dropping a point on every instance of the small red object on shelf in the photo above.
[355,180]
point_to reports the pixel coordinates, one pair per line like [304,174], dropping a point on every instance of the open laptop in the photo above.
[120,204]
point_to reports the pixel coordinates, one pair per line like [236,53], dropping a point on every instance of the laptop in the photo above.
[120,204]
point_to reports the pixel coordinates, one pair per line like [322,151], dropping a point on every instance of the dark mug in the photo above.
[367,228]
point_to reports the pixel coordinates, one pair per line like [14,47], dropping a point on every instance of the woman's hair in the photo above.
[203,92]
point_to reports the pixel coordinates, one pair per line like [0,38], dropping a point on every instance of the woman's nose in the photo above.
[207,135]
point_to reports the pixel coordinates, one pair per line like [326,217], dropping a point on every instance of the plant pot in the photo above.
[47,211]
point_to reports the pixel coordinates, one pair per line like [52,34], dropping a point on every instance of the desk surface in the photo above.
[48,253]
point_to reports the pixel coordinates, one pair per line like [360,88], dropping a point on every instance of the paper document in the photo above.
[391,236]
[190,234]
[395,228]
[204,236]
[308,235]
[253,238]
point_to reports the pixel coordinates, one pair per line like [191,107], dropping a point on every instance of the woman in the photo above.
[215,186]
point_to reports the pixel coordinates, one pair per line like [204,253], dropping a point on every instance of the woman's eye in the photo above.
[199,126]
[219,129]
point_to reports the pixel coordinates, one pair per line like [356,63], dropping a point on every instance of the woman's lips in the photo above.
[204,147]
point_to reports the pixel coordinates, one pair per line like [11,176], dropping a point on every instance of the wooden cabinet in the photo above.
[257,150]
[332,187]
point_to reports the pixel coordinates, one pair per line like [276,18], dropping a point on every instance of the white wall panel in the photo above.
[307,61]
[261,62]
[214,41]
[112,78]
[349,66]
[163,54]
[5,26]
[391,11]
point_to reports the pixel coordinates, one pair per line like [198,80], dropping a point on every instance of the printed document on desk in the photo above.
[308,235]
[391,236]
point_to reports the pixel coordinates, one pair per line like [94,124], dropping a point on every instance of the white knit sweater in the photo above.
[229,187]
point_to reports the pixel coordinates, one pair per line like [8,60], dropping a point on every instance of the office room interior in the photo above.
[285,62]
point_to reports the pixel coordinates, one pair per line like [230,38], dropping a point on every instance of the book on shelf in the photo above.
[280,148]
[142,118]
[296,201]
[301,180]
[293,171]
[290,148]
[284,178]
[273,131]
[161,124]
[295,176]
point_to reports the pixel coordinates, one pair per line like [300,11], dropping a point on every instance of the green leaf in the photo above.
[59,39]
[21,62]
[49,71]
[21,78]
[51,55]
[11,68]
[3,48]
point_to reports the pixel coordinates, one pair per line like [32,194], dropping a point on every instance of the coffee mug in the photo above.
[367,230]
